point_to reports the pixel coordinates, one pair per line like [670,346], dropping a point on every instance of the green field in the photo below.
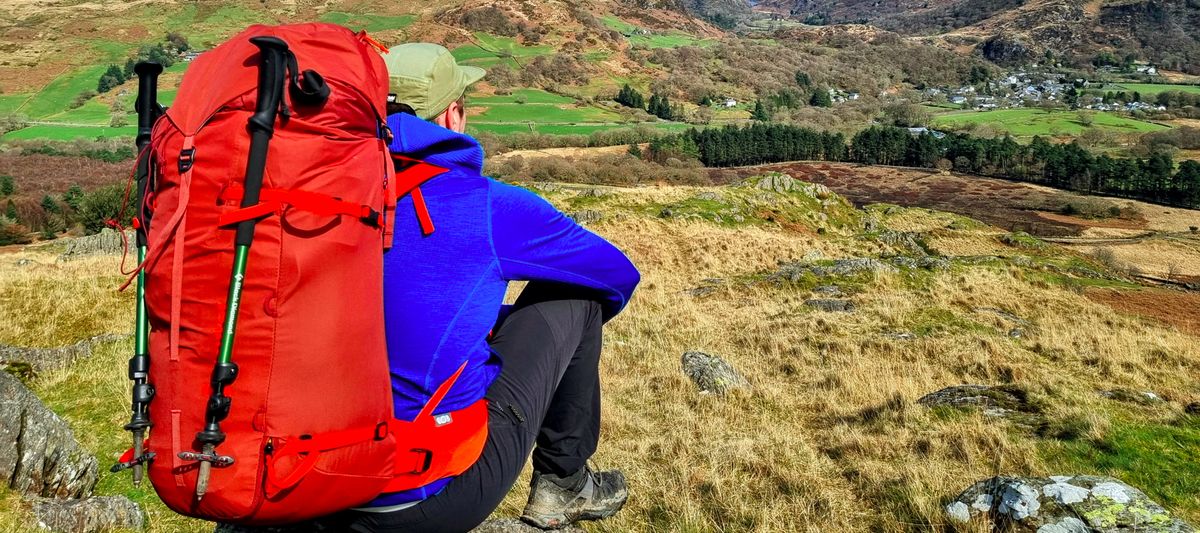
[1152,89]
[530,96]
[68,133]
[672,39]
[1031,122]
[370,23]
[59,93]
[493,50]
[567,129]
[544,113]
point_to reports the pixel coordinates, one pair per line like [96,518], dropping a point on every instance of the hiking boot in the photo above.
[556,502]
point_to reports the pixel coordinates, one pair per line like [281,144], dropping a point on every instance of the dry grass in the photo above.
[829,438]
[1178,256]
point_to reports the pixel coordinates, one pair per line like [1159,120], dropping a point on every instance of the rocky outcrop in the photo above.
[38,452]
[1006,50]
[107,242]
[43,359]
[840,268]
[711,374]
[587,216]
[831,305]
[1064,504]
[89,515]
[1007,402]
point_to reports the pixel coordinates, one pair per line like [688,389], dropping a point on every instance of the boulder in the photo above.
[831,305]
[513,525]
[775,181]
[39,455]
[1005,402]
[839,268]
[43,359]
[95,514]
[1062,504]
[832,291]
[107,242]
[587,216]
[1144,397]
[712,374]
[904,240]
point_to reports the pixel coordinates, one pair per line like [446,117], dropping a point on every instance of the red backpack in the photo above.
[273,401]
[309,348]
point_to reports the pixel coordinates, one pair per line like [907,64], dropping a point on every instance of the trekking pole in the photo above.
[148,112]
[272,69]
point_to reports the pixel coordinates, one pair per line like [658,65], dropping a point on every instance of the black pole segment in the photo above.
[272,73]
[148,111]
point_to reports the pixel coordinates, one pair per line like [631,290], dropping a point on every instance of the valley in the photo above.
[931,242]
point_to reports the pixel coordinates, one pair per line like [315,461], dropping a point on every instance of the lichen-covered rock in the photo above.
[1061,504]
[1144,397]
[107,242]
[831,305]
[43,359]
[839,268]
[775,181]
[1005,402]
[587,216]
[904,240]
[89,515]
[38,452]
[711,373]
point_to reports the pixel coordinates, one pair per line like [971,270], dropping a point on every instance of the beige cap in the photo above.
[427,78]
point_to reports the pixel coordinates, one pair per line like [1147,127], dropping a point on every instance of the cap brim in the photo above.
[471,74]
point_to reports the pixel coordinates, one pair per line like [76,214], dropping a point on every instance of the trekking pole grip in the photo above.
[272,74]
[147,99]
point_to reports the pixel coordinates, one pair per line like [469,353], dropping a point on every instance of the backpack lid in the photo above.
[231,69]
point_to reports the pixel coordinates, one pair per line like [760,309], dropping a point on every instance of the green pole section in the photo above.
[233,303]
[142,327]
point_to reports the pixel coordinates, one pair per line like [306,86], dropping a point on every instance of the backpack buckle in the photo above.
[426,461]
[186,158]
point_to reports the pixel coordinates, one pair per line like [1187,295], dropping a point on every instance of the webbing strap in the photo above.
[440,393]
[410,174]
[308,449]
[275,201]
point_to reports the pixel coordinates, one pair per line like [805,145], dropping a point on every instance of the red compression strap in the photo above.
[274,200]
[308,451]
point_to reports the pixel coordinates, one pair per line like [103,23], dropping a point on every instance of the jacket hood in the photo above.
[420,139]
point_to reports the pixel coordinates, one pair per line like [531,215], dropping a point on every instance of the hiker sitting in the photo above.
[444,282]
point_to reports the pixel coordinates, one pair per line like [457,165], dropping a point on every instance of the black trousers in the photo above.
[547,394]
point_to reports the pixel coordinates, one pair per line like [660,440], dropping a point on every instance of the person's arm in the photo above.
[535,242]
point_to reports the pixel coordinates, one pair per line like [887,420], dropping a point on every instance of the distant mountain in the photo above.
[1162,31]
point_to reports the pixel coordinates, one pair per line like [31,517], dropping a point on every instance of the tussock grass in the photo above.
[829,436]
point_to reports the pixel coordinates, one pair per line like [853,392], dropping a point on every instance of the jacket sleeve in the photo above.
[535,242]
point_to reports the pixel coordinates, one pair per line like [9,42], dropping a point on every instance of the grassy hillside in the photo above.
[44,79]
[828,437]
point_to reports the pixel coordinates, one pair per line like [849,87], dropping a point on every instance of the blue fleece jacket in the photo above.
[443,293]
